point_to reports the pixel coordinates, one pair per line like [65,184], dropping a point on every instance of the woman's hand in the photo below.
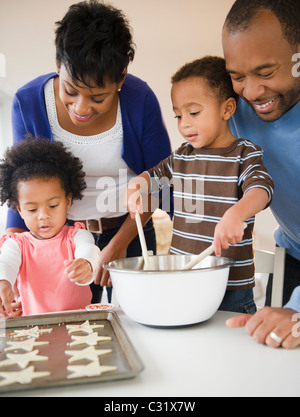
[110,253]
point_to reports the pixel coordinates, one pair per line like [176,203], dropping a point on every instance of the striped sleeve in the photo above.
[161,175]
[253,173]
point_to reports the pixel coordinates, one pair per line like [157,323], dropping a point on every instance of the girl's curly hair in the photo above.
[39,158]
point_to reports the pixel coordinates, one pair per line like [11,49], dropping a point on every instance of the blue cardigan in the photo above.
[145,143]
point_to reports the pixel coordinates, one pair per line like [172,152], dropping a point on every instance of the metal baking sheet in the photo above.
[123,355]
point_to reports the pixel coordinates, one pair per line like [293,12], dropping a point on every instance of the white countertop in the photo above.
[202,360]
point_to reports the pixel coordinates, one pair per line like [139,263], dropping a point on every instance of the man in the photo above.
[261,42]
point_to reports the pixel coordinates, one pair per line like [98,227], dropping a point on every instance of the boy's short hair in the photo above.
[213,70]
[287,12]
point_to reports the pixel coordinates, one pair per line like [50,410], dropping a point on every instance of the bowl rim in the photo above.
[109,267]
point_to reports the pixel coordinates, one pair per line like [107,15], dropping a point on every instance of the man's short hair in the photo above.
[287,12]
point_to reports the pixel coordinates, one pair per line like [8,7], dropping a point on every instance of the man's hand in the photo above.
[279,321]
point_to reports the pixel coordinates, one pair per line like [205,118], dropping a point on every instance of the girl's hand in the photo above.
[7,299]
[16,309]
[79,271]
[229,231]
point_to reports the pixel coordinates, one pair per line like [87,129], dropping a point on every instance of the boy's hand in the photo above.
[229,231]
[133,195]
[79,271]
[133,199]
[7,299]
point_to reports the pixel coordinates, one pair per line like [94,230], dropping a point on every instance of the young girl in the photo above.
[219,182]
[55,263]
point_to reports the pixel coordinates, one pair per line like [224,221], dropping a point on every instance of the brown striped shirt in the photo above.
[206,183]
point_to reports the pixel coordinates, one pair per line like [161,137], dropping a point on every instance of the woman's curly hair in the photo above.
[39,158]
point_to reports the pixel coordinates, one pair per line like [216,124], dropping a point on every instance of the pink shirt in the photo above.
[43,285]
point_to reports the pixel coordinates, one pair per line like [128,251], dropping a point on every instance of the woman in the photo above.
[109,119]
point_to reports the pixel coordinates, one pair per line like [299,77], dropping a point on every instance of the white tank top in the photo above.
[107,174]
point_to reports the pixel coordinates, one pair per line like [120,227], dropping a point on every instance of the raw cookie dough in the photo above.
[93,369]
[34,332]
[85,327]
[23,360]
[23,377]
[27,345]
[89,353]
[91,340]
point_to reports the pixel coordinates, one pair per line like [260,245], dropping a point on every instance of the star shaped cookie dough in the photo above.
[91,340]
[34,332]
[27,345]
[89,353]
[23,360]
[85,327]
[23,377]
[93,369]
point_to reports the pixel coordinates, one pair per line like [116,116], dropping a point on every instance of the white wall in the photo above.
[168,33]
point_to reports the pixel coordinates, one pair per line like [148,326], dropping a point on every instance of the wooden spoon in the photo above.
[147,266]
[207,252]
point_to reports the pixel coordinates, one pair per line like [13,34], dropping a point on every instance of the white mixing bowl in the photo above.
[168,296]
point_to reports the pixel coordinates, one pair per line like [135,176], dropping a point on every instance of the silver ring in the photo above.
[276,338]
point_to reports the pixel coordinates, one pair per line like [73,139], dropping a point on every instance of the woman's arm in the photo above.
[156,142]
[28,116]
